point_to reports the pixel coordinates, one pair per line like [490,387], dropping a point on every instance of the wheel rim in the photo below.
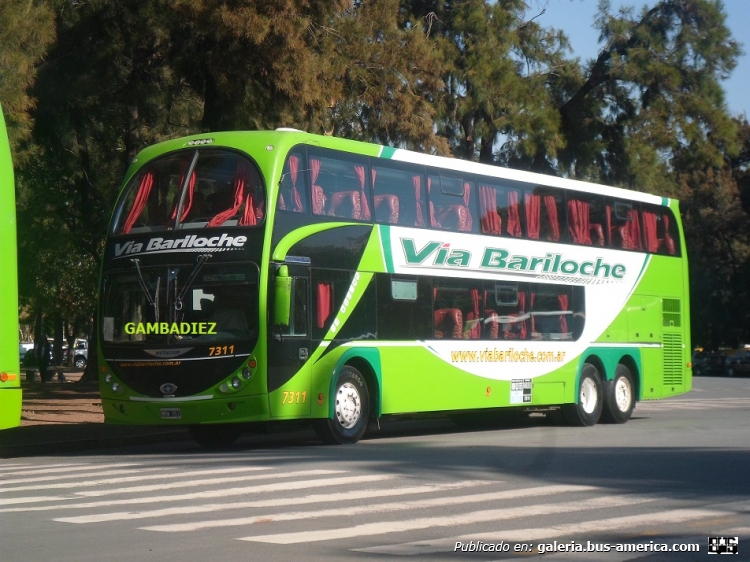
[589,396]
[623,394]
[348,405]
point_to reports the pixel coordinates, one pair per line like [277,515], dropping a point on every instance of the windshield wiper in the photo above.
[152,300]
[200,260]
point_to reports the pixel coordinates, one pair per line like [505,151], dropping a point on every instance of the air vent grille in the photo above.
[673,359]
[670,309]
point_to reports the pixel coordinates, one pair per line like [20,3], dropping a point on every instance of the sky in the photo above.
[576,18]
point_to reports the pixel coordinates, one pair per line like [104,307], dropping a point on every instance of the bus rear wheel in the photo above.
[619,397]
[351,410]
[588,408]
[215,436]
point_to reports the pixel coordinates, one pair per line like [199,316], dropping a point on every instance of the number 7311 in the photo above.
[294,397]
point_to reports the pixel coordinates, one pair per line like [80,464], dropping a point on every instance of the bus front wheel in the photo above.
[619,397]
[351,410]
[588,408]
[215,436]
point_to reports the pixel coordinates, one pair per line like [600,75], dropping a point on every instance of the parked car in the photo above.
[738,363]
[80,353]
[23,349]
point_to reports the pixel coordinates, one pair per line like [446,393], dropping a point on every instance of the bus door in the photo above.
[290,346]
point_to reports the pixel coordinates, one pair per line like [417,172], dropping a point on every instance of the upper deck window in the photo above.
[192,189]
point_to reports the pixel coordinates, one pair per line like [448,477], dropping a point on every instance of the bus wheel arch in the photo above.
[587,408]
[351,409]
[621,393]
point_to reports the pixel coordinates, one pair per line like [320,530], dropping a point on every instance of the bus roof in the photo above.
[284,139]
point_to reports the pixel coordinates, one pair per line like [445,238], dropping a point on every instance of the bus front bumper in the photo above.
[237,409]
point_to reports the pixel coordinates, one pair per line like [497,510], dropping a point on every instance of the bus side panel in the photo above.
[10,391]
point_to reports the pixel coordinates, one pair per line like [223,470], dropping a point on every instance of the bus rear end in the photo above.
[10,383]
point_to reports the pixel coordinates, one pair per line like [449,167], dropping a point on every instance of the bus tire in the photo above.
[215,436]
[588,407]
[351,410]
[619,397]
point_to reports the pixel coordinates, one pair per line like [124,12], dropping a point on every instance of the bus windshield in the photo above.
[192,189]
[179,305]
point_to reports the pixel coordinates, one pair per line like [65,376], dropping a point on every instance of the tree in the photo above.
[26,31]
[651,102]
[385,78]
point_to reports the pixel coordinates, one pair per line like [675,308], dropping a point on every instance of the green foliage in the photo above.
[26,30]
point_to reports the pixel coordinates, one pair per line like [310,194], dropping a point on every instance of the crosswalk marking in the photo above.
[368,509]
[222,493]
[693,404]
[210,481]
[276,502]
[384,527]
[82,474]
[537,534]
[29,470]
[137,478]
[30,499]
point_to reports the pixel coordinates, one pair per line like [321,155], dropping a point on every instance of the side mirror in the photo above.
[282,297]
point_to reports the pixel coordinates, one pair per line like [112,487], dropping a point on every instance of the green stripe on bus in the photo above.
[387,152]
[385,241]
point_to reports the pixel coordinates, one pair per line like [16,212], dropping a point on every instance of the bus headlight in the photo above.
[246,373]
[236,382]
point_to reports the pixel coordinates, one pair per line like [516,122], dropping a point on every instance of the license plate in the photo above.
[171,414]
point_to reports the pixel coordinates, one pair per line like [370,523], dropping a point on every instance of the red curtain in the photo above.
[533,324]
[365,207]
[563,300]
[324,303]
[189,204]
[176,202]
[476,328]
[578,215]
[318,197]
[521,312]
[514,217]
[296,200]
[551,205]
[490,219]
[633,228]
[240,181]
[533,212]
[649,232]
[433,221]
[467,198]
[417,181]
[144,190]
[668,240]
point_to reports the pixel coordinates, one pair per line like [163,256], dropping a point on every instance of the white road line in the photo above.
[31,499]
[208,481]
[223,493]
[58,477]
[30,469]
[373,508]
[384,527]
[279,502]
[124,480]
[586,528]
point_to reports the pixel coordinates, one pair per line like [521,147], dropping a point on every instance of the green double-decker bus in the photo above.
[260,276]
[10,381]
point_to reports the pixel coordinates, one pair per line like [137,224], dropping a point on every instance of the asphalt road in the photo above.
[674,475]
